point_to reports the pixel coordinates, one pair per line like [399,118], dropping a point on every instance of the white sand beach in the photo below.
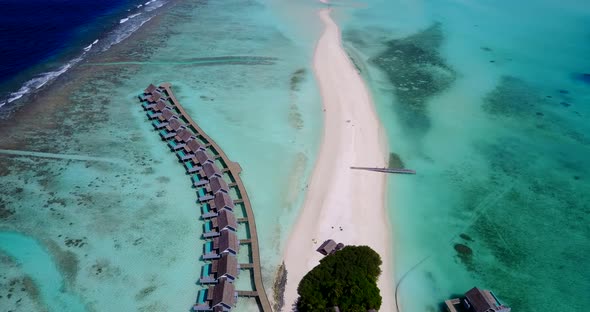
[342,204]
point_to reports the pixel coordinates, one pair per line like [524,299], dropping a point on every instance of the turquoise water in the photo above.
[112,184]
[33,261]
[484,101]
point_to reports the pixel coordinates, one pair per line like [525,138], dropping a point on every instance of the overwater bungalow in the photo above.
[194,146]
[210,170]
[227,242]
[226,267]
[174,125]
[219,298]
[151,88]
[189,150]
[476,300]
[156,110]
[217,184]
[223,201]
[224,296]
[167,114]
[161,105]
[153,97]
[180,139]
[224,220]
[164,119]
[152,105]
[183,136]
[203,157]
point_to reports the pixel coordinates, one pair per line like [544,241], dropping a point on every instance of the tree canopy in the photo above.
[346,279]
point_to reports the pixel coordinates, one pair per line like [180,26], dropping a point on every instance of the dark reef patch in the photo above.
[145,292]
[5,211]
[67,261]
[296,78]
[395,161]
[521,104]
[513,97]
[465,254]
[418,72]
[279,287]
[295,117]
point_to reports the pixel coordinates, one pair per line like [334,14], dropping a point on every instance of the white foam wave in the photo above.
[87,48]
[154,4]
[124,33]
[39,81]
[123,20]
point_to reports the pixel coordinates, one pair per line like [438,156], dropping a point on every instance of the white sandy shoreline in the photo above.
[339,197]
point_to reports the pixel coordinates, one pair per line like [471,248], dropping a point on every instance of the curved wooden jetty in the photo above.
[234,170]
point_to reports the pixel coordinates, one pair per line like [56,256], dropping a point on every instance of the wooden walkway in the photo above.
[247,293]
[234,171]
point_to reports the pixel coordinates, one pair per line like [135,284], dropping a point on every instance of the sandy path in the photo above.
[338,196]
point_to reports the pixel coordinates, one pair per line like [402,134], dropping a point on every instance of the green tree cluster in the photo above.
[347,279]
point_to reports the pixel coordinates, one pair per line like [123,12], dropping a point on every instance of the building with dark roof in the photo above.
[226,220]
[151,88]
[203,157]
[327,247]
[184,135]
[218,184]
[224,296]
[227,267]
[167,114]
[194,146]
[476,300]
[227,242]
[211,170]
[175,125]
[223,201]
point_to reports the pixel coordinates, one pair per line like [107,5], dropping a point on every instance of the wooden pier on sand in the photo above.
[233,169]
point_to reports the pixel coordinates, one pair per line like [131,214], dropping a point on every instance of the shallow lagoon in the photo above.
[109,202]
[484,100]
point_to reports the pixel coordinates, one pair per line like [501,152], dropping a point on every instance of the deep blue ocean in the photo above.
[42,39]
[33,31]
